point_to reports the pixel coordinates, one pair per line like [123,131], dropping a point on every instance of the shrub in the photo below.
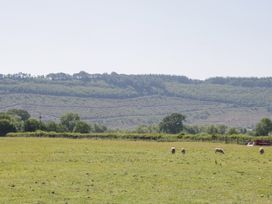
[6,126]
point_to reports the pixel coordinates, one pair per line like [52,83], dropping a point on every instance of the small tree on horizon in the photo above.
[69,121]
[82,127]
[264,127]
[172,123]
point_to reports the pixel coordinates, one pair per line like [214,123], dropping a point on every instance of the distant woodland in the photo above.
[125,101]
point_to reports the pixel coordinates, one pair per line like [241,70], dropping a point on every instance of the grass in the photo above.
[57,170]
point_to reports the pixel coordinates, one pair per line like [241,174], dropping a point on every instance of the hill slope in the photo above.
[125,101]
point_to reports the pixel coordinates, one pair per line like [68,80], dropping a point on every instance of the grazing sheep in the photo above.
[173,150]
[183,151]
[219,150]
[250,144]
[261,150]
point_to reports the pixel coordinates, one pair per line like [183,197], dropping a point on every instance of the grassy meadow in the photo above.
[57,170]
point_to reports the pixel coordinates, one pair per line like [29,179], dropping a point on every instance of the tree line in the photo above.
[174,124]
[18,120]
[121,79]
[237,91]
[242,81]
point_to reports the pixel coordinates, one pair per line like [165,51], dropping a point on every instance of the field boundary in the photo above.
[160,137]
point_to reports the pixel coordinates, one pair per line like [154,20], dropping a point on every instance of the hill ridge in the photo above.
[101,97]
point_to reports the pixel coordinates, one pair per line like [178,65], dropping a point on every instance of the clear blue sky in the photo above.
[196,38]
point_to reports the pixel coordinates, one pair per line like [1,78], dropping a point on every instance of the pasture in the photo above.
[55,170]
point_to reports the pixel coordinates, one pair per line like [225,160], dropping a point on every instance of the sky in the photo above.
[195,38]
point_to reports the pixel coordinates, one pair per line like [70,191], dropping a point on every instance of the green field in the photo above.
[44,170]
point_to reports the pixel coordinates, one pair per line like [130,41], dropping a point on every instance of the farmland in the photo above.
[57,170]
[126,101]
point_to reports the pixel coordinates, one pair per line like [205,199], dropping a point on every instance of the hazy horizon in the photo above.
[197,39]
[38,74]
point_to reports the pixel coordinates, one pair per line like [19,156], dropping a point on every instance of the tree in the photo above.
[212,130]
[69,121]
[6,126]
[22,114]
[51,126]
[5,116]
[172,123]
[16,121]
[99,128]
[264,127]
[82,127]
[232,131]
[192,129]
[31,125]
[222,129]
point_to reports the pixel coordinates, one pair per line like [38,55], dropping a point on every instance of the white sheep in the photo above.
[183,151]
[261,150]
[173,150]
[219,150]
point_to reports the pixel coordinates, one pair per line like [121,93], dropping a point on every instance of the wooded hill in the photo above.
[125,101]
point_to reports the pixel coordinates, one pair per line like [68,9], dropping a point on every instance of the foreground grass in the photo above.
[47,170]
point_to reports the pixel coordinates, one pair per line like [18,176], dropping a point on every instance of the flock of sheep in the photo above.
[216,150]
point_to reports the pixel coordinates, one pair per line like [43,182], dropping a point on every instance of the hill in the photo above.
[125,101]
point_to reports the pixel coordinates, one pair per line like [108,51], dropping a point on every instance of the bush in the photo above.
[6,126]
[51,126]
[31,125]
[82,127]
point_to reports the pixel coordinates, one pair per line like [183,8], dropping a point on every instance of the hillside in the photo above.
[125,101]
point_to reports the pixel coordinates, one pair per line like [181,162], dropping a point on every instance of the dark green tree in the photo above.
[82,127]
[51,126]
[22,114]
[31,125]
[15,120]
[69,121]
[264,127]
[172,124]
[6,126]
